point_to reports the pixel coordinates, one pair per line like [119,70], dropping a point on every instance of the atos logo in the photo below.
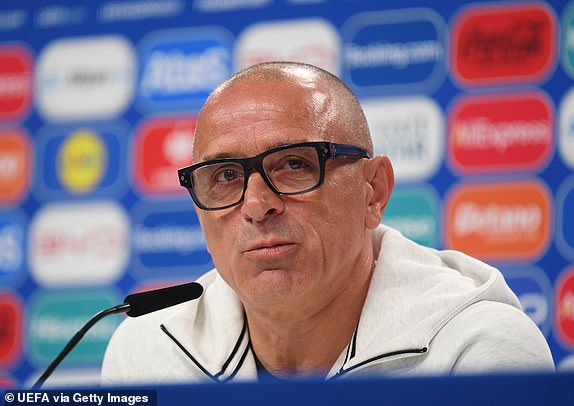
[161,146]
[12,246]
[410,131]
[15,82]
[565,217]
[534,290]
[10,329]
[15,162]
[566,132]
[501,133]
[55,316]
[415,213]
[505,43]
[81,161]
[394,51]
[180,68]
[499,221]
[168,242]
[85,78]
[564,308]
[82,244]
[313,41]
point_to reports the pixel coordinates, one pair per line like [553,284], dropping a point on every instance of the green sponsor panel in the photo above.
[54,318]
[415,213]
[568,40]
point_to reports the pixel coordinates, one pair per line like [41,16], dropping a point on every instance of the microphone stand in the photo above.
[121,308]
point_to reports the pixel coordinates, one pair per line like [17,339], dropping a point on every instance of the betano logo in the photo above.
[564,308]
[10,329]
[85,78]
[80,244]
[15,164]
[501,133]
[499,221]
[313,41]
[15,82]
[82,160]
[498,44]
[160,147]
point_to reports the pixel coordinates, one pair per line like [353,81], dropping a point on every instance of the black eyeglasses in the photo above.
[287,170]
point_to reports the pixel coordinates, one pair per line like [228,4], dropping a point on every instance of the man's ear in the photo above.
[381,180]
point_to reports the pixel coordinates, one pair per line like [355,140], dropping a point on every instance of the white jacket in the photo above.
[427,312]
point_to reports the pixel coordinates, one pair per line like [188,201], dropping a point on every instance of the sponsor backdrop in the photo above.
[473,102]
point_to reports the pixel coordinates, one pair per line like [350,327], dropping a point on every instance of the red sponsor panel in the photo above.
[564,311]
[7,382]
[499,221]
[10,329]
[15,82]
[161,147]
[504,43]
[14,165]
[501,133]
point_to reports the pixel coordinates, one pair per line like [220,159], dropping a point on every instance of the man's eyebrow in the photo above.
[230,155]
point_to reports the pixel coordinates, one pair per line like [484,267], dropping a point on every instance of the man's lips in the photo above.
[269,249]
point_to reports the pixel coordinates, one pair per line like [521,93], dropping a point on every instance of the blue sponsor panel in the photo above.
[565,217]
[81,161]
[13,229]
[394,51]
[167,242]
[534,290]
[179,68]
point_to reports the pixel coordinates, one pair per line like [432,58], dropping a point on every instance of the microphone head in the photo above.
[153,300]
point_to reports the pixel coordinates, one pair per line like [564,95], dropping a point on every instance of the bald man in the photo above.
[307,281]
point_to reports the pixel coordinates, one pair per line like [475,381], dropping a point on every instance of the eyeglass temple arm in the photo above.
[344,151]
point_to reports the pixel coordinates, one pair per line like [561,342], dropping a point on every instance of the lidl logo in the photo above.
[394,51]
[409,131]
[79,244]
[565,217]
[501,133]
[314,41]
[85,78]
[499,221]
[566,132]
[168,242]
[161,146]
[15,161]
[81,161]
[506,43]
[564,308]
[180,68]
[415,213]
[54,318]
[15,82]
[10,329]
[12,246]
[534,290]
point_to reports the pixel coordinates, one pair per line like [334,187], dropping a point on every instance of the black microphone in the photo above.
[136,304]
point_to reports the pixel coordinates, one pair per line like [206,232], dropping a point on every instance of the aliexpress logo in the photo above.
[503,43]
[10,329]
[15,82]
[501,133]
[161,146]
[14,165]
[564,311]
[499,221]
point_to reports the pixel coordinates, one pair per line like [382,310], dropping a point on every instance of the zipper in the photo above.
[413,351]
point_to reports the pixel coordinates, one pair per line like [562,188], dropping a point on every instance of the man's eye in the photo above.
[226,176]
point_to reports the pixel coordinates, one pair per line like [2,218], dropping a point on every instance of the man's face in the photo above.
[276,251]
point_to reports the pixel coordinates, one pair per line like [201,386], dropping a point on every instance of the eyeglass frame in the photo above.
[325,150]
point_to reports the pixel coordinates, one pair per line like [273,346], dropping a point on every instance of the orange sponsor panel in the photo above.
[14,166]
[499,221]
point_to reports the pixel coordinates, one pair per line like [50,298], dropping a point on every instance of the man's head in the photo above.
[299,250]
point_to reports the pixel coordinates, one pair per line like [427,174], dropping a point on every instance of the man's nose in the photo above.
[259,201]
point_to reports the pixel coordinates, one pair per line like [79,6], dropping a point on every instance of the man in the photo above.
[307,281]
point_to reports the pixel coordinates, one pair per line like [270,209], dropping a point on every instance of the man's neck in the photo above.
[303,343]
